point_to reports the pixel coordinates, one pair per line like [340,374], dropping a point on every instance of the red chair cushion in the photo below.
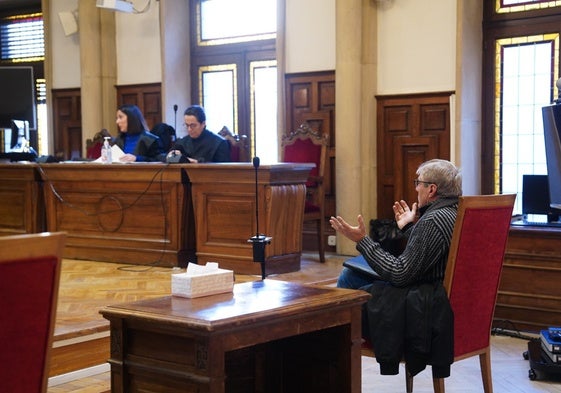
[26,292]
[476,277]
[304,151]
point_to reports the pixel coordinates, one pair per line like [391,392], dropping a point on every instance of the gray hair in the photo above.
[444,174]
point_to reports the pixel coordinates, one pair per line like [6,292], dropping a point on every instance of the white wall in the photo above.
[65,49]
[416,48]
[310,35]
[138,45]
[415,54]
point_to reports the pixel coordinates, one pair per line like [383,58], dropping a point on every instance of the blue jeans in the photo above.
[352,279]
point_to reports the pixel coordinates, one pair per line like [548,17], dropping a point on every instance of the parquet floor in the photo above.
[88,286]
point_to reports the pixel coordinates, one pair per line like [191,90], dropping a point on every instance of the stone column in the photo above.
[176,57]
[356,69]
[98,67]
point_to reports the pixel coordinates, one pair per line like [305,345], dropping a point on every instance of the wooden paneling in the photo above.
[529,294]
[22,209]
[148,97]
[143,214]
[310,97]
[410,130]
[224,203]
[67,123]
[120,213]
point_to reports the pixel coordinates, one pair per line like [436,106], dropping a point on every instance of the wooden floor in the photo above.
[88,286]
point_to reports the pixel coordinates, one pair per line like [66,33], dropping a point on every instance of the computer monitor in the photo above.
[20,135]
[535,197]
[17,100]
[552,137]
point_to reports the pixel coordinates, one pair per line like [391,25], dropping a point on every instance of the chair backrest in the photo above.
[166,133]
[305,145]
[237,143]
[29,280]
[93,146]
[474,268]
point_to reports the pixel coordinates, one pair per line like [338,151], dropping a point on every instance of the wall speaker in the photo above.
[68,22]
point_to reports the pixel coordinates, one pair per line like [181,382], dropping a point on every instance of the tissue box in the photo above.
[204,281]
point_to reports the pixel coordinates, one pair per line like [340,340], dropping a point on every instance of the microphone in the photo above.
[180,158]
[175,118]
[259,241]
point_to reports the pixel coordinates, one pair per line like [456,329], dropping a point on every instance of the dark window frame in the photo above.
[241,54]
[497,26]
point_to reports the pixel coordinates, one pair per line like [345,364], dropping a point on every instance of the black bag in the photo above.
[386,232]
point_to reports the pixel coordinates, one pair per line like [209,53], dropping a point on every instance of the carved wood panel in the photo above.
[310,97]
[67,123]
[411,129]
[148,97]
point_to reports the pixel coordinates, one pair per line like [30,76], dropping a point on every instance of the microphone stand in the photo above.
[174,123]
[259,241]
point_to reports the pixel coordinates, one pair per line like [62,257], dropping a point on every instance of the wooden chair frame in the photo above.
[466,203]
[23,248]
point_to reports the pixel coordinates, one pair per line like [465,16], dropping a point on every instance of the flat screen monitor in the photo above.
[535,194]
[20,135]
[17,100]
[552,137]
[535,198]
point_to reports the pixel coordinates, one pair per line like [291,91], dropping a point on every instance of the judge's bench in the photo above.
[161,214]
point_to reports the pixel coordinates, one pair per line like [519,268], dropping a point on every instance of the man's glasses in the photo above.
[416,182]
[192,125]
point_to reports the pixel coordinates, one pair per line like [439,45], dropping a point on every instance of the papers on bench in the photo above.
[116,154]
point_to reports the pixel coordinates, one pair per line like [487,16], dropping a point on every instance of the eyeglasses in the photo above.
[192,125]
[416,182]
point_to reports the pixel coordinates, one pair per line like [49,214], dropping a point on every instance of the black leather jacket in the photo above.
[413,323]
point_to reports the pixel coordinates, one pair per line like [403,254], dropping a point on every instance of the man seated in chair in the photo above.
[410,284]
[200,145]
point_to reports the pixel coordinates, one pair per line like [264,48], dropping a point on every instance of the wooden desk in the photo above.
[143,213]
[225,205]
[530,292]
[120,213]
[268,336]
[22,208]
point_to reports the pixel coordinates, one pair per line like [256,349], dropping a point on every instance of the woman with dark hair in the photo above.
[134,139]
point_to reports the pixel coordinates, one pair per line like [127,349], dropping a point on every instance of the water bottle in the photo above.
[106,151]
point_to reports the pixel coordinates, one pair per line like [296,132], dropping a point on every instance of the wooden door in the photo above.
[148,98]
[67,123]
[411,129]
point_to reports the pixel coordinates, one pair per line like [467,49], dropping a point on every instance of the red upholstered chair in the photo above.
[237,143]
[29,280]
[93,146]
[305,145]
[472,278]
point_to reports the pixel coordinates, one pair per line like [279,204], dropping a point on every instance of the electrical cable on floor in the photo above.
[509,330]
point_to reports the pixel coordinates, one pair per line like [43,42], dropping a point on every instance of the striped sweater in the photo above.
[425,255]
